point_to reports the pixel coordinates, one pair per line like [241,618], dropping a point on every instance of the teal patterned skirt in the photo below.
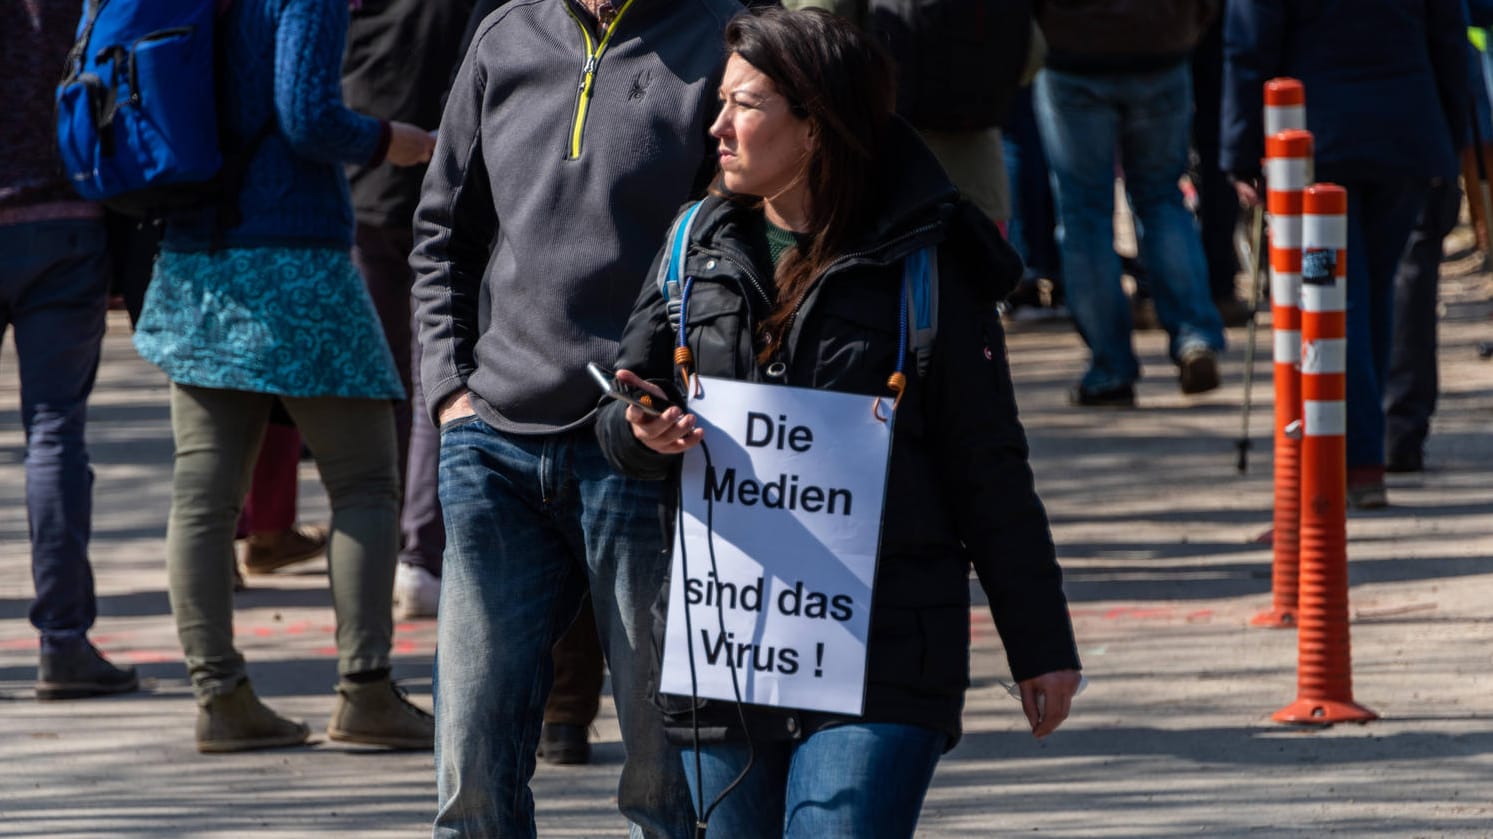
[287,321]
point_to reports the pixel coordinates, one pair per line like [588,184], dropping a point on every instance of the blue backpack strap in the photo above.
[671,271]
[920,284]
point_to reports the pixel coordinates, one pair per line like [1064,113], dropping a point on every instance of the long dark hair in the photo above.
[843,83]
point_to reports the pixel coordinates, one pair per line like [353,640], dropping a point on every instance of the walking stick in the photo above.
[1257,260]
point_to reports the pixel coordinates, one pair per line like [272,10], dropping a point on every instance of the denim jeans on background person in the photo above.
[529,521]
[1031,230]
[1381,217]
[1147,117]
[865,780]
[54,285]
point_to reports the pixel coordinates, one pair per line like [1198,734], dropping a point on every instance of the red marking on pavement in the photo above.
[327,628]
[326,650]
[263,631]
[1200,616]
[150,656]
[1137,612]
[405,647]
[19,644]
[405,627]
[297,628]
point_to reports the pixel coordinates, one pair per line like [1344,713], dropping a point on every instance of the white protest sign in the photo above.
[790,503]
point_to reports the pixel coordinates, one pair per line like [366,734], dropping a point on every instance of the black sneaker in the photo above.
[81,671]
[563,744]
[1122,396]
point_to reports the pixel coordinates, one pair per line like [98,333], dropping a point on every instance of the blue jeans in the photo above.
[865,781]
[54,286]
[1381,218]
[529,521]
[1030,229]
[1147,118]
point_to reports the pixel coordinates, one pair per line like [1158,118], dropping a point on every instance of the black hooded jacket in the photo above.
[959,490]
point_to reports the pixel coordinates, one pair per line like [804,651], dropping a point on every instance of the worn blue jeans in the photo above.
[1146,119]
[54,286]
[865,781]
[529,521]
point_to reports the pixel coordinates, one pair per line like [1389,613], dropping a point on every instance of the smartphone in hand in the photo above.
[610,386]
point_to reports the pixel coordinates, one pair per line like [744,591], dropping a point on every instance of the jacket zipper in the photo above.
[594,51]
[746,268]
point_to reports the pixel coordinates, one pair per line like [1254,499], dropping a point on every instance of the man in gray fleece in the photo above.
[573,133]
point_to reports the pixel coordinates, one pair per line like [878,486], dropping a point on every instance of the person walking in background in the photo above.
[267,527]
[823,192]
[279,312]
[54,286]
[1217,204]
[1386,86]
[1117,79]
[398,66]
[1412,384]
[535,228]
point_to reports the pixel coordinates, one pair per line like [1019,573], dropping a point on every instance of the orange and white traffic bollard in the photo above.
[1324,677]
[1288,165]
[1285,106]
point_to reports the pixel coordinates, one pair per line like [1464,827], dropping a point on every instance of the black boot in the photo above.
[78,671]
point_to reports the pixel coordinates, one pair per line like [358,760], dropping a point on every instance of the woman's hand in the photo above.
[673,432]
[408,144]
[1047,698]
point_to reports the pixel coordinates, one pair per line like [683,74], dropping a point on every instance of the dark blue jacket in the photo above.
[1386,84]
[285,61]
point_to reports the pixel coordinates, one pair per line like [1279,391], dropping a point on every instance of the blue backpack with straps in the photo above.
[137,120]
[919,285]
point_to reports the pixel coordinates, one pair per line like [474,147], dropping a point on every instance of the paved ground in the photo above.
[1156,531]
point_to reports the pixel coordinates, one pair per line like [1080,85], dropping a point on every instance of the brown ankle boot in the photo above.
[378,714]
[271,550]
[239,722]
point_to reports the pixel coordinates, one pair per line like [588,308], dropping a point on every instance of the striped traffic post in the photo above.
[1288,164]
[1324,678]
[1285,106]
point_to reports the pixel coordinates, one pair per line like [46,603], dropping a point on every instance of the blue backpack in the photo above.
[137,119]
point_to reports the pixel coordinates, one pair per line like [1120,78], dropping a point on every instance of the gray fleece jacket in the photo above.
[543,206]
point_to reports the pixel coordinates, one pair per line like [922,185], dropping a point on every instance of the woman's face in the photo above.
[763,146]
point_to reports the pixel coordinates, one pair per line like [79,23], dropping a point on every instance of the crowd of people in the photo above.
[448,209]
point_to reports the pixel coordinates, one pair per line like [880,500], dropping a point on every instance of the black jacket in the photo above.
[398,66]
[1122,36]
[959,489]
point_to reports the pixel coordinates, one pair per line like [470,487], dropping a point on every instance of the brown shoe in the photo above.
[378,714]
[273,550]
[1198,370]
[239,722]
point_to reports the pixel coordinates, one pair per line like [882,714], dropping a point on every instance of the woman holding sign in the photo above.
[797,271]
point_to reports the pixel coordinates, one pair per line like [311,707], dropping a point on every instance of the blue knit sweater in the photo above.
[284,59]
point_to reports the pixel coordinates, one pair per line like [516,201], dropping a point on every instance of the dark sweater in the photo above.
[527,257]
[285,58]
[34,41]
[400,56]
[1122,36]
